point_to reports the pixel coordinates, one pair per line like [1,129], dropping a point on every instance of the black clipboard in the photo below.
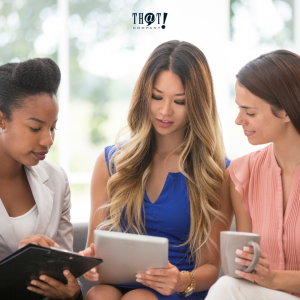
[32,261]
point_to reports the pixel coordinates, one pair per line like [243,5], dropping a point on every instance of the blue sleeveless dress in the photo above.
[169,217]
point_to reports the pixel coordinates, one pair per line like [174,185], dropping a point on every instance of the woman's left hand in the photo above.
[262,274]
[54,289]
[164,281]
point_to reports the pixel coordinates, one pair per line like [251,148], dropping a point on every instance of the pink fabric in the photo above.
[257,178]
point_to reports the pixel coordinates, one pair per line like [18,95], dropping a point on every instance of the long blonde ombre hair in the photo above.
[202,159]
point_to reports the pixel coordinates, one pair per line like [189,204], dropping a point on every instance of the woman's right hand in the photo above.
[91,275]
[39,239]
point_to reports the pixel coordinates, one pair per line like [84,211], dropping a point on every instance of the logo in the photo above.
[142,21]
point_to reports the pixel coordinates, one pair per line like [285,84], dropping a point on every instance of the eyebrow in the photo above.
[38,120]
[182,94]
[246,107]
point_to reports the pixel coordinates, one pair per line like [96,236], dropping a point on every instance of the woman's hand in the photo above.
[262,274]
[165,281]
[55,289]
[92,274]
[38,239]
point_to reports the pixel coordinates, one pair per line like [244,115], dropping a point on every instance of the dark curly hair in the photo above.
[19,81]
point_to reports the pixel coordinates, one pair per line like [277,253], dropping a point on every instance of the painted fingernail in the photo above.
[93,270]
[238,260]
[56,245]
[33,282]
[238,272]
[238,251]
[148,272]
[246,248]
[66,273]
[138,276]
[138,280]
[43,278]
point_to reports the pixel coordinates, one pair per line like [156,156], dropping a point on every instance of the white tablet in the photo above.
[124,255]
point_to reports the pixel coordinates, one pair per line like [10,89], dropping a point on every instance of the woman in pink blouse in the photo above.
[265,185]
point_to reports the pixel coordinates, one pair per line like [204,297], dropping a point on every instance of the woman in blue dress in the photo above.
[169,179]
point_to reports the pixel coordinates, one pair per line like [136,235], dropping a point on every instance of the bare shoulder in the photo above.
[100,173]
[99,195]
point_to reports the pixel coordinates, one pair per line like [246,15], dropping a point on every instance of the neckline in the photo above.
[274,160]
[167,181]
[284,215]
[33,208]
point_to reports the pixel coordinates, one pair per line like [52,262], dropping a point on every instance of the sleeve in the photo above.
[109,152]
[227,162]
[240,172]
[64,236]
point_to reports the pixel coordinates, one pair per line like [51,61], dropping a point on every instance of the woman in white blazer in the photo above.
[35,194]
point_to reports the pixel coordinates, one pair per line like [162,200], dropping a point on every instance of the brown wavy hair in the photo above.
[202,152]
[275,78]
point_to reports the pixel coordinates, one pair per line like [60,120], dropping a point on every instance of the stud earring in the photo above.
[1,130]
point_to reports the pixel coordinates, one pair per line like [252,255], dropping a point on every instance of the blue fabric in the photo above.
[169,217]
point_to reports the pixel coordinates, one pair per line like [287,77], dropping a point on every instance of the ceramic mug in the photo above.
[230,242]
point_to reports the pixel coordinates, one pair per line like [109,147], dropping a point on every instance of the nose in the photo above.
[47,138]
[239,119]
[166,108]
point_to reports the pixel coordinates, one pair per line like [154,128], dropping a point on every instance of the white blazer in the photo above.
[51,191]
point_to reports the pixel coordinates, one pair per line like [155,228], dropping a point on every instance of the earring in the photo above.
[1,130]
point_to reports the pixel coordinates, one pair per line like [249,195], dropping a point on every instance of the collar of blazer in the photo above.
[43,196]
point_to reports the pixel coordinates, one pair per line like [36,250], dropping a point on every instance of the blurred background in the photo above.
[101,55]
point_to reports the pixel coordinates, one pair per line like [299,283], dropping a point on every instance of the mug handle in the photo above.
[256,257]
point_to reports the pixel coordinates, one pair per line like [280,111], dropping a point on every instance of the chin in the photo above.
[257,142]
[164,132]
[30,162]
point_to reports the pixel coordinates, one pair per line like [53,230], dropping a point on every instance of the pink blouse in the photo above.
[257,178]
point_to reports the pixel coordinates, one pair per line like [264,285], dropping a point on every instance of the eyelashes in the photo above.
[38,129]
[156,98]
[182,102]
[251,115]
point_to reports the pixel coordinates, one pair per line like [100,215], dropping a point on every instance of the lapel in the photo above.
[7,230]
[42,195]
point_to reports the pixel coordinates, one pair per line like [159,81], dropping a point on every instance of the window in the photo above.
[100,55]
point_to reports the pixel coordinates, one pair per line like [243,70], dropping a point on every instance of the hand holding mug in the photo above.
[262,274]
[231,242]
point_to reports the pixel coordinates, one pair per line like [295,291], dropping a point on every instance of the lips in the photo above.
[40,155]
[164,123]
[248,133]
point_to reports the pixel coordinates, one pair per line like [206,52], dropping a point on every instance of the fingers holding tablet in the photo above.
[54,289]
[164,281]
[91,275]
[38,239]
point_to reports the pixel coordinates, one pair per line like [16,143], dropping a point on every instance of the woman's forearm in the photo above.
[286,281]
[205,276]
